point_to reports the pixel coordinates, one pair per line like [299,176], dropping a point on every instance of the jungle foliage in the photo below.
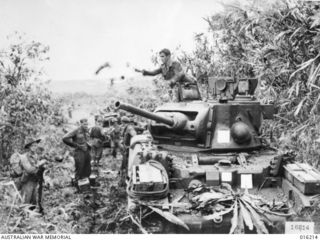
[277,42]
[27,108]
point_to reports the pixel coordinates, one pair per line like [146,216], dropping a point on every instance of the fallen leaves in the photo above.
[246,216]
[208,197]
[170,217]
[234,220]
[248,210]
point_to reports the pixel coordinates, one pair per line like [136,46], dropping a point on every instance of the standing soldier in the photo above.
[78,139]
[70,109]
[97,140]
[115,135]
[28,171]
[127,134]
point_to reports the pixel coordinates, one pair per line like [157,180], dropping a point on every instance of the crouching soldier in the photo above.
[78,139]
[26,169]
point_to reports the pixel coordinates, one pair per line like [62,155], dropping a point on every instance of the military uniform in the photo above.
[115,136]
[29,180]
[97,142]
[168,71]
[70,108]
[171,71]
[78,139]
[26,173]
[128,132]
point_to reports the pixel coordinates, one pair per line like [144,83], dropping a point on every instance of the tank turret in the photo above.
[230,122]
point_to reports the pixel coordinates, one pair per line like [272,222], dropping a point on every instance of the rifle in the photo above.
[40,180]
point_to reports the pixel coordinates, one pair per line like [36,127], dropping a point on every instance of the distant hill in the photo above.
[97,86]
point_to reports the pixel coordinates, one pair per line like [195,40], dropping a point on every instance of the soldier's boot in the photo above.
[32,207]
[39,209]
[76,185]
[77,188]
[114,153]
[99,164]
[95,162]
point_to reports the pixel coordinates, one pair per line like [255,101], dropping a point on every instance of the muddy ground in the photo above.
[101,210]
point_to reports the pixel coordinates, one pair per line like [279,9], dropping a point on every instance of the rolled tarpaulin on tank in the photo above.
[209,160]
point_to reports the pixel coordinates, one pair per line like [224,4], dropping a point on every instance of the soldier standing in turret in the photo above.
[170,70]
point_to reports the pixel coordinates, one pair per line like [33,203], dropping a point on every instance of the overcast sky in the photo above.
[83,34]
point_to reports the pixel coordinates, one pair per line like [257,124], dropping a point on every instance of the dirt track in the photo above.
[103,210]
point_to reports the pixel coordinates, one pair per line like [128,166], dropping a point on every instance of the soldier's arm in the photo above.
[91,132]
[68,139]
[27,167]
[152,73]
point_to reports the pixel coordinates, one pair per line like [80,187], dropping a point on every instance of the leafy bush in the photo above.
[26,106]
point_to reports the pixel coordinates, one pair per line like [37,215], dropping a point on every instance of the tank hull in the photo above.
[205,168]
[212,171]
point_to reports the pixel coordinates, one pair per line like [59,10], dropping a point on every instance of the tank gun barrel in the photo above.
[144,113]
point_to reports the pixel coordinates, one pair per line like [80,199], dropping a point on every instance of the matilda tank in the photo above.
[206,166]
